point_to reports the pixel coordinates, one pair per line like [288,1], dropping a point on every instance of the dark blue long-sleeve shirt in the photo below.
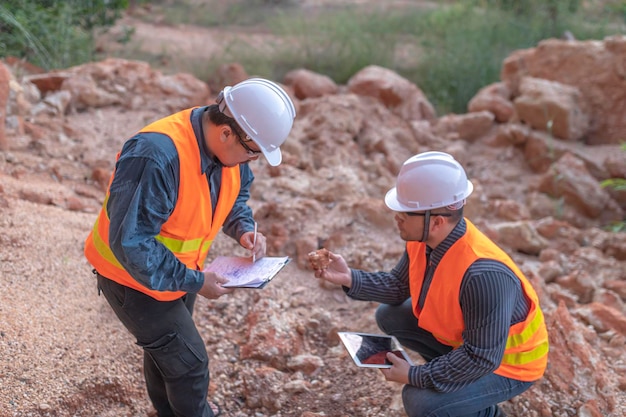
[143,195]
[491,299]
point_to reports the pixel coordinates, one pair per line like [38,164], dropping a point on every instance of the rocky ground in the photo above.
[274,352]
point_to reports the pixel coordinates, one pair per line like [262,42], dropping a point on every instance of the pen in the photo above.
[254,244]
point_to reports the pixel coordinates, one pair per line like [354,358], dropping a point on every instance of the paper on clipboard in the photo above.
[243,273]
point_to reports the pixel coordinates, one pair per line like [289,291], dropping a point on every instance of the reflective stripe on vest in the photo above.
[526,353]
[189,231]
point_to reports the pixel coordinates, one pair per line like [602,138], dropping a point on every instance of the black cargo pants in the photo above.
[175,359]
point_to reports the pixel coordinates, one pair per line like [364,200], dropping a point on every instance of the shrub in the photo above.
[54,34]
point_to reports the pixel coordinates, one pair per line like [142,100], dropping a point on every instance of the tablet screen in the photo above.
[370,350]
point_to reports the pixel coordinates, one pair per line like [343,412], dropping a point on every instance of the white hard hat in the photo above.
[428,181]
[263,110]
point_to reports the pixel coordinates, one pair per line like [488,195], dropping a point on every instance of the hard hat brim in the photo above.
[273,157]
[391,200]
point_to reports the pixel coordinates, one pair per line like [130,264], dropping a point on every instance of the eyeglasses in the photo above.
[249,150]
[414,214]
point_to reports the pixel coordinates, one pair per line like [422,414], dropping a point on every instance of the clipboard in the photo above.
[242,272]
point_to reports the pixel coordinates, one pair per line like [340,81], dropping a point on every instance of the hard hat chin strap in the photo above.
[426,226]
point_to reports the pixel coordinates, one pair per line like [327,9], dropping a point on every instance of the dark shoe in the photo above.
[499,412]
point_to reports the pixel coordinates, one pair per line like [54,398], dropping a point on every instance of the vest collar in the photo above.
[456,233]
[207,159]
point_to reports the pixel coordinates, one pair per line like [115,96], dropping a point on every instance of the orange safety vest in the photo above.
[526,353]
[189,231]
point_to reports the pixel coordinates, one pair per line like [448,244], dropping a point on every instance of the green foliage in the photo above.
[338,44]
[450,51]
[533,7]
[465,46]
[221,13]
[617,7]
[617,184]
[617,227]
[463,52]
[54,34]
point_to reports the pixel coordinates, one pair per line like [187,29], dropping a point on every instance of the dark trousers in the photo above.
[174,355]
[476,399]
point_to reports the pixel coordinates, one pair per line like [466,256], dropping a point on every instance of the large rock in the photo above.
[397,93]
[552,107]
[494,98]
[569,179]
[133,85]
[596,68]
[306,83]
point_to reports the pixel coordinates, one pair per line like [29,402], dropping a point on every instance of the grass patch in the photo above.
[47,41]
[218,13]
[453,50]
[337,44]
[54,35]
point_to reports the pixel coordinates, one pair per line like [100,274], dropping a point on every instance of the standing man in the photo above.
[176,183]
[454,297]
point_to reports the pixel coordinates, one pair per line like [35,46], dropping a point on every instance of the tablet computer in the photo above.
[370,350]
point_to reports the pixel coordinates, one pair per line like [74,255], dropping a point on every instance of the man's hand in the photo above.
[336,272]
[212,287]
[399,371]
[258,248]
